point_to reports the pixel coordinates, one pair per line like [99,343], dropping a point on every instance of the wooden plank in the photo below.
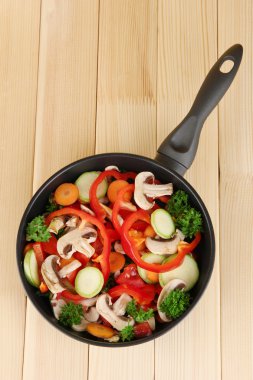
[65,132]
[18,77]
[126,121]
[186,51]
[236,196]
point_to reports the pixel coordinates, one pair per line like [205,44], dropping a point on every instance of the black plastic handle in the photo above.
[179,149]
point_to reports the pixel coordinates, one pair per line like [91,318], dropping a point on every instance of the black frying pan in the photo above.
[173,158]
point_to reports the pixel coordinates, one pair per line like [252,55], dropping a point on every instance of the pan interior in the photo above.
[129,162]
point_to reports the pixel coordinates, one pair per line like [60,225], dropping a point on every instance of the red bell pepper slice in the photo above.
[130,276]
[50,246]
[105,265]
[37,247]
[140,225]
[142,329]
[130,249]
[143,296]
[82,258]
[112,234]
[40,257]
[117,206]
[94,202]
[70,296]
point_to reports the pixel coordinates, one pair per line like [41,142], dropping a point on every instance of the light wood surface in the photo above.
[88,76]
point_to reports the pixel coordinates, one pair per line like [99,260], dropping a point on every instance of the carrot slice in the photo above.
[115,187]
[100,331]
[152,276]
[149,232]
[43,287]
[66,194]
[117,261]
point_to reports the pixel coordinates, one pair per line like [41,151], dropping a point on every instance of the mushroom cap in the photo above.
[104,308]
[82,326]
[77,239]
[56,224]
[91,315]
[49,274]
[172,285]
[164,246]
[67,269]
[119,307]
[139,192]
[57,305]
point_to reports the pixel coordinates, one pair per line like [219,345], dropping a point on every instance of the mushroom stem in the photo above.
[155,191]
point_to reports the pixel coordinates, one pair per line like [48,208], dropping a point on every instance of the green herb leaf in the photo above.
[37,230]
[186,218]
[127,333]
[71,314]
[178,203]
[175,304]
[190,222]
[139,315]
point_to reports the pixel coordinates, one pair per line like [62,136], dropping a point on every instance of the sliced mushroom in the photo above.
[56,224]
[82,326]
[128,206]
[164,247]
[118,247]
[151,322]
[49,274]
[113,339]
[87,209]
[72,222]
[143,190]
[172,285]
[77,240]
[108,211]
[57,305]
[86,303]
[119,307]
[69,268]
[91,315]
[112,167]
[105,310]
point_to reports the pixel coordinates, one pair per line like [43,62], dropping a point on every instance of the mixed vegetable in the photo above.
[114,253]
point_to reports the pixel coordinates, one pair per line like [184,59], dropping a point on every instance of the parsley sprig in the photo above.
[138,314]
[187,218]
[71,314]
[175,303]
[127,333]
[37,230]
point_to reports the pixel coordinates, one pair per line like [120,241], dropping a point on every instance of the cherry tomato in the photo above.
[50,246]
[142,329]
[130,276]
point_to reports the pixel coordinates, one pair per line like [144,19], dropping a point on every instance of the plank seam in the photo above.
[34,146]
[95,145]
[219,195]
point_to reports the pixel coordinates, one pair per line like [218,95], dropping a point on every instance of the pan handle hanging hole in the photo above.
[227,66]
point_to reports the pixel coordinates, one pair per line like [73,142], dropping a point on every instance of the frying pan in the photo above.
[173,158]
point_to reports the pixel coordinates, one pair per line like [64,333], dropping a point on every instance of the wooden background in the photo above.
[85,76]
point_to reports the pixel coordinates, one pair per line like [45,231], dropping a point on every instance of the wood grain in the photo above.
[126,121]
[186,51]
[18,78]
[65,131]
[236,197]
